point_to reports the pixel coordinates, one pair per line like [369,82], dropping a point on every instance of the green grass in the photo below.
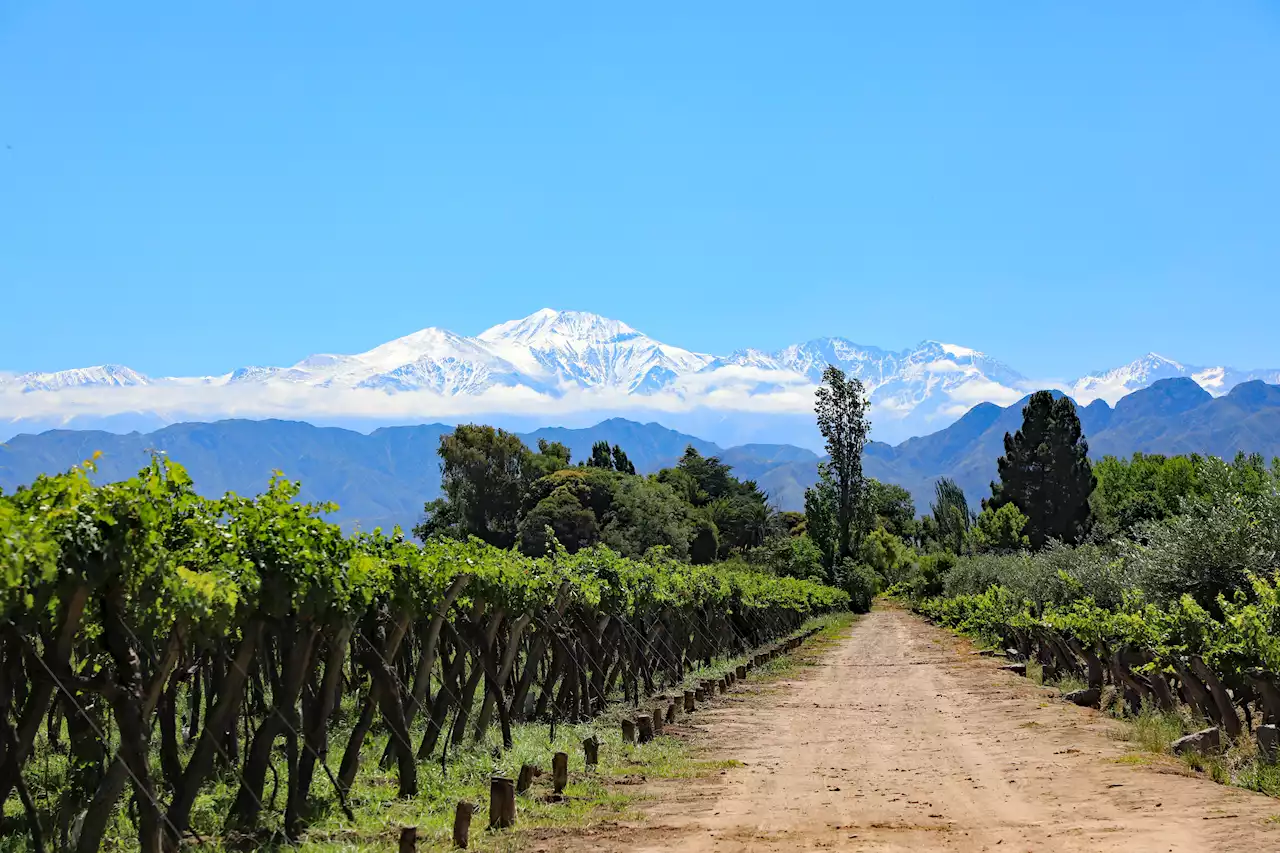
[1065,683]
[1154,731]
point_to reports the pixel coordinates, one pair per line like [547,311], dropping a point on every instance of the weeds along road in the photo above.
[898,738]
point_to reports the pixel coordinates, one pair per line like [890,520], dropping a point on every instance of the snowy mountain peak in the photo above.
[425,343]
[551,327]
[567,361]
[955,350]
[103,375]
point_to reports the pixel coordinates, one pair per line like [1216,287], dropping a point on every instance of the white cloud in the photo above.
[731,389]
[982,390]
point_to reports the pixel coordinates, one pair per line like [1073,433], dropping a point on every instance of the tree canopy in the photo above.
[499,491]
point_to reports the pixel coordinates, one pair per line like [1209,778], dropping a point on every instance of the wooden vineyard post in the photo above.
[689,706]
[628,731]
[462,824]
[657,720]
[525,780]
[591,752]
[645,723]
[502,802]
[742,673]
[408,839]
[671,712]
[559,771]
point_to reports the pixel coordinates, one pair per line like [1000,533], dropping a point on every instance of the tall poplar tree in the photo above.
[842,408]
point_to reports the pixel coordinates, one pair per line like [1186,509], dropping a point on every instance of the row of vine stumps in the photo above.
[639,728]
[1103,693]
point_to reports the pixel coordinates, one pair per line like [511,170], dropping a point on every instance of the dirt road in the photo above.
[900,739]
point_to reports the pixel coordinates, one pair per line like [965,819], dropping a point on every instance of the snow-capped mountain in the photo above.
[1113,384]
[102,376]
[589,351]
[556,362]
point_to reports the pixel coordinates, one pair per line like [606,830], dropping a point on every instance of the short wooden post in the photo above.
[723,686]
[462,824]
[502,802]
[742,673]
[700,695]
[671,712]
[408,839]
[525,780]
[559,771]
[645,723]
[689,702]
[591,752]
[628,731]
[658,715]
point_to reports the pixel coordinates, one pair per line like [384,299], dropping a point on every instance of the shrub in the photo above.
[860,582]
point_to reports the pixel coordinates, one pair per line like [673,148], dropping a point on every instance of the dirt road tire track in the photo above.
[899,739]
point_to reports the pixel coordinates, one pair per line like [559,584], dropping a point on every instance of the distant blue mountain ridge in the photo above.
[384,477]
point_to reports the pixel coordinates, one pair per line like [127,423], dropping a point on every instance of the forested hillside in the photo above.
[384,477]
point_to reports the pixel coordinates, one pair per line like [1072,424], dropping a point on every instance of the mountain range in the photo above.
[572,366]
[384,477]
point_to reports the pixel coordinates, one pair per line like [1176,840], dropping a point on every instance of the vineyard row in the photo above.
[142,620]
[1222,664]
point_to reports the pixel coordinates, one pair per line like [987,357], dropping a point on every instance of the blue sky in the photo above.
[188,187]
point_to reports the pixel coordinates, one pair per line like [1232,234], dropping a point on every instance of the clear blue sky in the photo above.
[189,187]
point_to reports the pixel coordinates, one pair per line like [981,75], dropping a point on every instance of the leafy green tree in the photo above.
[791,521]
[440,519]
[484,473]
[931,578]
[892,508]
[887,555]
[790,556]
[842,406]
[743,521]
[1000,530]
[552,456]
[601,456]
[712,477]
[951,515]
[1045,472]
[563,516]
[820,518]
[593,487]
[861,583]
[621,463]
[683,484]
[647,514]
[1227,533]
[704,547]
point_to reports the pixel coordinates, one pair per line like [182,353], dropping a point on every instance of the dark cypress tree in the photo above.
[1045,472]
[601,456]
[621,463]
[951,513]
